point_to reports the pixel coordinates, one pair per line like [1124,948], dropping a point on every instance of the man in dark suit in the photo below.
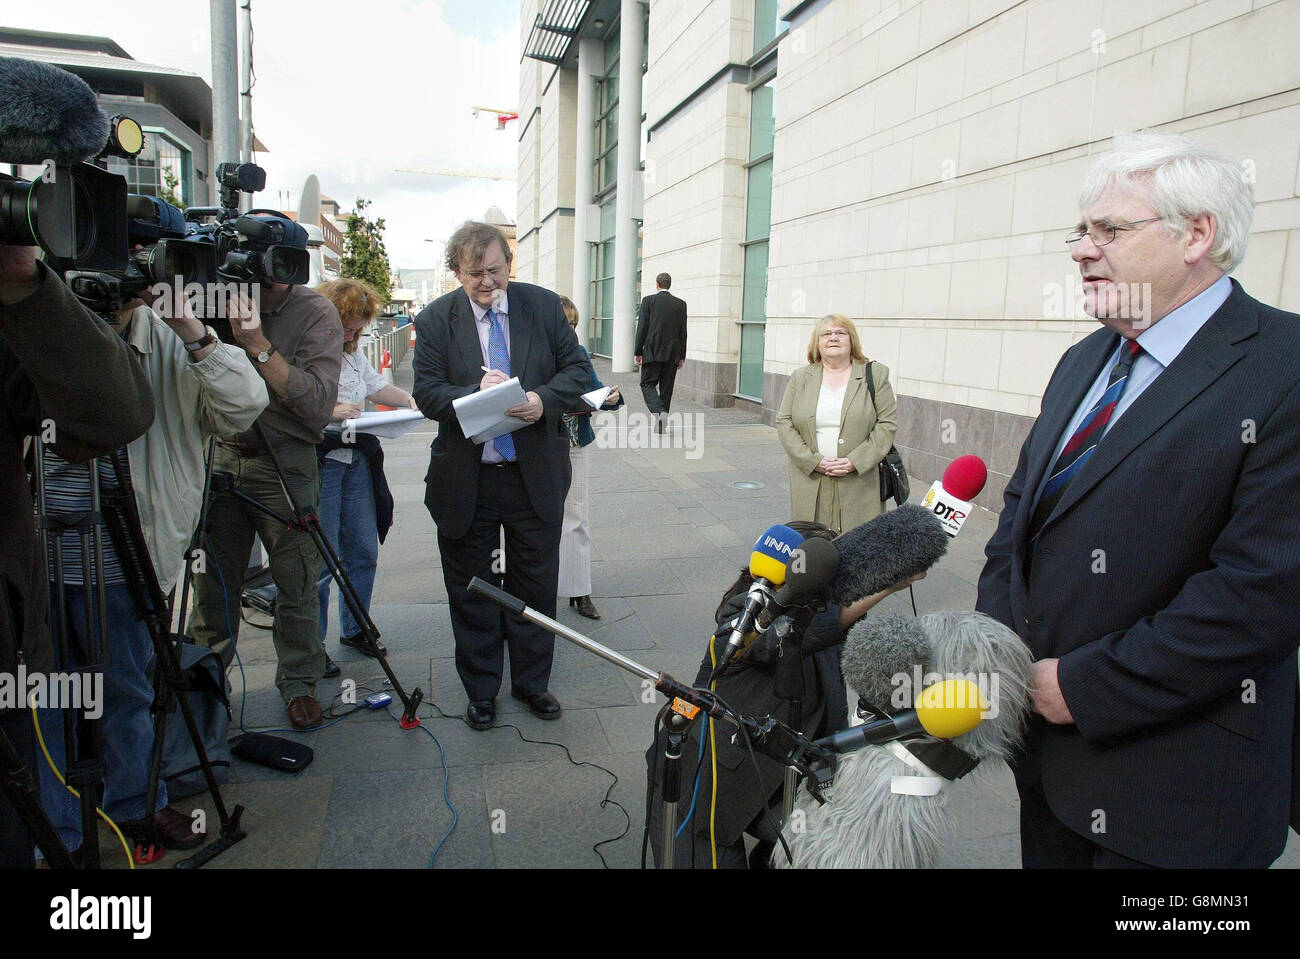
[1147,549]
[660,346]
[517,482]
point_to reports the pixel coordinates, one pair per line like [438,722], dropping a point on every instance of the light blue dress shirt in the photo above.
[1161,343]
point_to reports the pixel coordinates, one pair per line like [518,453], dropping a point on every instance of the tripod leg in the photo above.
[19,788]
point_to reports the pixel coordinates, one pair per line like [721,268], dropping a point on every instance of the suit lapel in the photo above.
[465,331]
[521,333]
[1211,352]
[857,383]
[1079,377]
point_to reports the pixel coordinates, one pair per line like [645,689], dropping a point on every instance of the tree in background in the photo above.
[169,193]
[364,256]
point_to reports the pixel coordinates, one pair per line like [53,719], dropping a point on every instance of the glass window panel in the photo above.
[766,22]
[758,202]
[751,360]
[608,220]
[762,125]
[610,129]
[754,284]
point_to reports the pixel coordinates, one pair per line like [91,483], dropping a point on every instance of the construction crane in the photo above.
[458,173]
[503,116]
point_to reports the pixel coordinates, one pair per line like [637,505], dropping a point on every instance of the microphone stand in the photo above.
[768,734]
[676,728]
[789,685]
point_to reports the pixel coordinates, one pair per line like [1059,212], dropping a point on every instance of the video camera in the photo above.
[163,250]
[74,211]
[257,246]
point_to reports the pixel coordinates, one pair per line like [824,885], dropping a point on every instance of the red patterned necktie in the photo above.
[1084,439]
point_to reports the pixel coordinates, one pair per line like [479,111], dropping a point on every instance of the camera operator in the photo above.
[296,341]
[201,387]
[65,377]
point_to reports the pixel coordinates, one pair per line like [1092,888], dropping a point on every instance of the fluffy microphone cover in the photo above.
[47,113]
[867,825]
[889,549]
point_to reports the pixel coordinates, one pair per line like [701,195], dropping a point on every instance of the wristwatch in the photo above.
[265,355]
[207,339]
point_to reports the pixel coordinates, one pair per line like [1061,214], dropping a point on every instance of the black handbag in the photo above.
[893,475]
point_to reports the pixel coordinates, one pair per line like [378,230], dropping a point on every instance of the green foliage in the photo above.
[364,256]
[169,193]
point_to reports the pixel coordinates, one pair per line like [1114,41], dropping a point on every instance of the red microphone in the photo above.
[950,498]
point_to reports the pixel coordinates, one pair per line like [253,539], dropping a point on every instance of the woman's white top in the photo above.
[357,380]
[830,408]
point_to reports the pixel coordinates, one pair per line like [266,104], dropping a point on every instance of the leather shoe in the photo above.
[542,705]
[331,668]
[481,713]
[585,607]
[173,829]
[357,641]
[305,712]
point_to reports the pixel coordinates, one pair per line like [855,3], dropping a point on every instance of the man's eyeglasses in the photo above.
[496,273]
[1103,233]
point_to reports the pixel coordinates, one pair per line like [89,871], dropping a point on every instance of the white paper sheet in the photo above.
[596,398]
[482,415]
[386,424]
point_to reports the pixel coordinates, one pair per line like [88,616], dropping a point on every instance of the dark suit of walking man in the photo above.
[1154,574]
[517,482]
[660,345]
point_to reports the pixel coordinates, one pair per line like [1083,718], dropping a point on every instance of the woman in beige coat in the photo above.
[833,434]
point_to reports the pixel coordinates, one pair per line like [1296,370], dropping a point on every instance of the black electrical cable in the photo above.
[606,801]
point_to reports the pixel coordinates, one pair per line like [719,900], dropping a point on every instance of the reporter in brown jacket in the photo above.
[833,434]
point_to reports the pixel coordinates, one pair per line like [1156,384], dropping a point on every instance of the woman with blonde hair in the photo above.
[356,508]
[834,433]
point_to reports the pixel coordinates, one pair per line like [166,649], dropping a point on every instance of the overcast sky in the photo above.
[350,91]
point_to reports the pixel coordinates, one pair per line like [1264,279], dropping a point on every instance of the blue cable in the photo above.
[699,770]
[446,785]
[243,700]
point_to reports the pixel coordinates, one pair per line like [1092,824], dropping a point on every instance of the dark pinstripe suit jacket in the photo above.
[1167,580]
[544,354]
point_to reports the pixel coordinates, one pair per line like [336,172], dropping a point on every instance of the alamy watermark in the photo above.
[1072,301]
[83,692]
[983,688]
[640,431]
[207,301]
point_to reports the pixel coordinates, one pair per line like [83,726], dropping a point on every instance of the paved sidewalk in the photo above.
[670,533]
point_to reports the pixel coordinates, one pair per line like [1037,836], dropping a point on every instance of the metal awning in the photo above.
[554,29]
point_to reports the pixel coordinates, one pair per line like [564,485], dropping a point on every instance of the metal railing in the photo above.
[397,342]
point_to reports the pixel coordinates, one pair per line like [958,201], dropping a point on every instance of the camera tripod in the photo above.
[114,511]
[304,518]
[170,680]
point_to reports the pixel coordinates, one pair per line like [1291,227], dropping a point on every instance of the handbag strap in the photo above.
[871,387]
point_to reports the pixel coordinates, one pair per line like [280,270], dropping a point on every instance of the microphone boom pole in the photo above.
[772,737]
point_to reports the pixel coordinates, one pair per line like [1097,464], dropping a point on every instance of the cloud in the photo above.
[351,92]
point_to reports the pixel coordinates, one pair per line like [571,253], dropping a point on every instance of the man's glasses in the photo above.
[496,273]
[1103,233]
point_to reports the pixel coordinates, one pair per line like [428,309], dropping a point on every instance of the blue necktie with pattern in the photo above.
[499,359]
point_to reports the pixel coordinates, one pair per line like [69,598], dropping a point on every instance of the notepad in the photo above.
[482,415]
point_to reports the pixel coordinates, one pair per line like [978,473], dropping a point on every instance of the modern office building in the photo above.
[173,106]
[912,165]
